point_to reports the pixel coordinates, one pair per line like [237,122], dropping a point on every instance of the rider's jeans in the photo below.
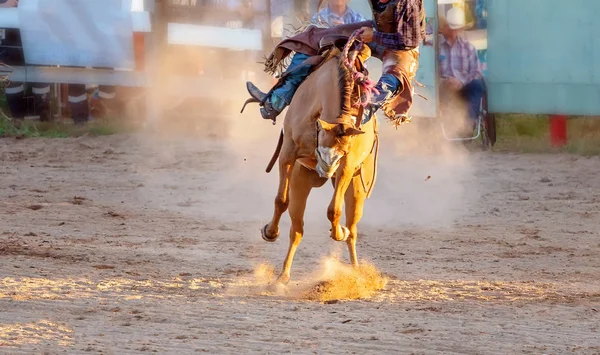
[387,86]
[473,93]
[283,95]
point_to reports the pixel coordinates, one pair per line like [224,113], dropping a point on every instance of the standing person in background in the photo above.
[12,54]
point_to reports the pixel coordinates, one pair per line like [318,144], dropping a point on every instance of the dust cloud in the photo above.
[333,280]
[421,178]
[206,159]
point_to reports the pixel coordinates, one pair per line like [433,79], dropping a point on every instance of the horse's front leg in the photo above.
[300,186]
[334,211]
[287,158]
[354,201]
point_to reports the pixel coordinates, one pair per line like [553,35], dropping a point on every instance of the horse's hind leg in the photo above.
[354,201]
[300,185]
[287,158]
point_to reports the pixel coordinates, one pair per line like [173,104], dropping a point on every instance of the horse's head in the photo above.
[335,133]
[333,143]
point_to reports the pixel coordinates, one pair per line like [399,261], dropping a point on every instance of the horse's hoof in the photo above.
[283,280]
[278,287]
[346,234]
[341,237]
[263,232]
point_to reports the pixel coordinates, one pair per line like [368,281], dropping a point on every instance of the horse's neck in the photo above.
[320,95]
[321,89]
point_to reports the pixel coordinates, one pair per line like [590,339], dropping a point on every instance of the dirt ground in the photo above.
[151,243]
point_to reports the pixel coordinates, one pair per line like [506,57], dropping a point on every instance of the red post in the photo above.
[558,130]
[138,49]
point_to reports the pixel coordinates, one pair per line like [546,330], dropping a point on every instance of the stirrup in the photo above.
[269,113]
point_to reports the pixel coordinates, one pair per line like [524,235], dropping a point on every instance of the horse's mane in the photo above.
[353,81]
[345,85]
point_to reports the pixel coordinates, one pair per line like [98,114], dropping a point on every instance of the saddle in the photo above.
[330,46]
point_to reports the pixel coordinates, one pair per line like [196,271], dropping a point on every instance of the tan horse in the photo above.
[323,139]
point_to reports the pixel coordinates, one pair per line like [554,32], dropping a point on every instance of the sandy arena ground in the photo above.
[151,243]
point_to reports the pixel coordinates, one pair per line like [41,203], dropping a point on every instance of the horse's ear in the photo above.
[324,125]
[349,130]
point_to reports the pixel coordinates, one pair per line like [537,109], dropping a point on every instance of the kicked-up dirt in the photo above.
[148,243]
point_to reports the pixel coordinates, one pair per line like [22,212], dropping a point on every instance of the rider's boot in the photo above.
[387,86]
[273,104]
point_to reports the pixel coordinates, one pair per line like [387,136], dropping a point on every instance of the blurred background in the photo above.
[178,64]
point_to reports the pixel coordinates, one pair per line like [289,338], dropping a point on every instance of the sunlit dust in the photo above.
[26,288]
[43,331]
[456,290]
[264,273]
[332,280]
[337,280]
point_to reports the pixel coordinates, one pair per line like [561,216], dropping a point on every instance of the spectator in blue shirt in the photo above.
[336,13]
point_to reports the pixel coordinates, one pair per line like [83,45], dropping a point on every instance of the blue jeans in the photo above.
[387,85]
[282,96]
[473,93]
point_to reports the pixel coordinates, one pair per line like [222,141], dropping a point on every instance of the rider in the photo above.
[336,13]
[393,36]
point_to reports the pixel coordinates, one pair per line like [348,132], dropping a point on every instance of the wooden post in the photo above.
[138,50]
[558,130]
[65,110]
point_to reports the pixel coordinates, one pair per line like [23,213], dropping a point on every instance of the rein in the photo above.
[366,85]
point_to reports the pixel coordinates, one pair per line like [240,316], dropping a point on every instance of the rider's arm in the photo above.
[411,29]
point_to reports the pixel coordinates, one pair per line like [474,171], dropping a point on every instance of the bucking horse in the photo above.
[324,138]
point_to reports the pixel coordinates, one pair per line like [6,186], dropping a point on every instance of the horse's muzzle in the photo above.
[326,170]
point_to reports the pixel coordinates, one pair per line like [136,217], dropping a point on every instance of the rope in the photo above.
[366,84]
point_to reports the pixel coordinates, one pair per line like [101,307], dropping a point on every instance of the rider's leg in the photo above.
[473,93]
[399,69]
[388,83]
[387,86]
[282,96]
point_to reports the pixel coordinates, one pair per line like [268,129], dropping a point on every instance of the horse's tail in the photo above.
[276,154]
